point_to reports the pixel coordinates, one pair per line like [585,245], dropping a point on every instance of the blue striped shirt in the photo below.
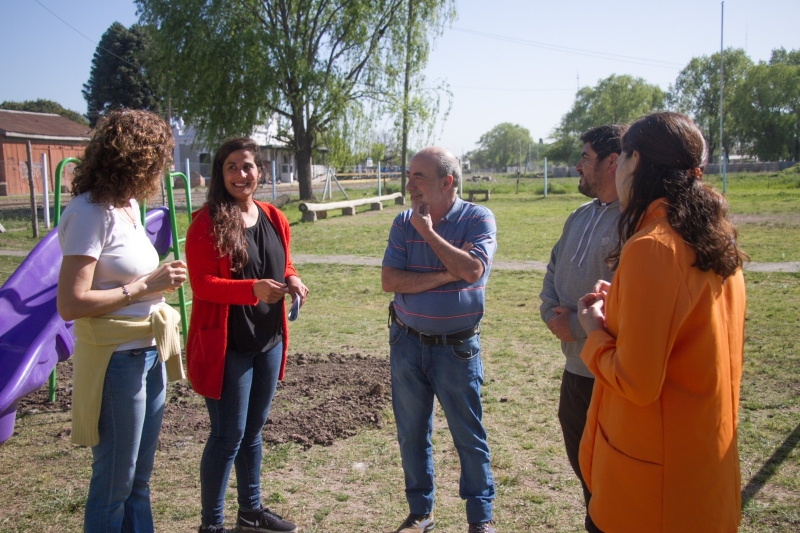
[454,306]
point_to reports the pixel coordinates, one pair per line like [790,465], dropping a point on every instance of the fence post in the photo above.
[545,177]
[34,220]
[45,196]
[274,179]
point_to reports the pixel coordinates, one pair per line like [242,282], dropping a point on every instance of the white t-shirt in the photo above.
[124,254]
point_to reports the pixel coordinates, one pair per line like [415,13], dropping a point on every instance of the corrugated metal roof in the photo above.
[24,124]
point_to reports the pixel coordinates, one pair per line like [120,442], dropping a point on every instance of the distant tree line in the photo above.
[761,113]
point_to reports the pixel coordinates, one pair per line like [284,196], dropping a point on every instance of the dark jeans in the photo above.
[454,375]
[576,394]
[237,419]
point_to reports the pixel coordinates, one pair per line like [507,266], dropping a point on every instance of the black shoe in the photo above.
[212,529]
[417,523]
[263,521]
[481,527]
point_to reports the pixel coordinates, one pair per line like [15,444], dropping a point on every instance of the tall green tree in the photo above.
[119,75]
[234,63]
[614,100]
[504,145]
[696,93]
[783,57]
[766,108]
[45,106]
[417,104]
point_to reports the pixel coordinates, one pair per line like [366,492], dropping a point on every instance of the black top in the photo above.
[257,328]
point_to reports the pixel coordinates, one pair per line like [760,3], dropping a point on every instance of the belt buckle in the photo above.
[430,340]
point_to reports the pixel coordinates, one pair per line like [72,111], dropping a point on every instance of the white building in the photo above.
[200,157]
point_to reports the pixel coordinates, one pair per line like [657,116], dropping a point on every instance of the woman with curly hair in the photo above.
[240,270]
[127,337]
[665,340]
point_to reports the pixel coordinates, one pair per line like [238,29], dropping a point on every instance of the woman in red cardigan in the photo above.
[240,269]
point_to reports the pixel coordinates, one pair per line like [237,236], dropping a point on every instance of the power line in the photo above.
[577,51]
[73,28]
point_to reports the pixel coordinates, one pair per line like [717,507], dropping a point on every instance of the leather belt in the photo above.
[449,339]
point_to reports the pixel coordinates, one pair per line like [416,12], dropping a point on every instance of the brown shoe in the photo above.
[417,523]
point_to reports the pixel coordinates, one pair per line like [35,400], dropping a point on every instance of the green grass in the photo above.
[321,488]
[529,224]
[44,478]
[8,264]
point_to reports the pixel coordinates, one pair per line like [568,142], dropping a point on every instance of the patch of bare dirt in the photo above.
[323,398]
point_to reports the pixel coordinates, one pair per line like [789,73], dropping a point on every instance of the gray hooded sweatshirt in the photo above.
[577,261]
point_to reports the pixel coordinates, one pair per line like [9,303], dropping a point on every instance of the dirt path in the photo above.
[793,266]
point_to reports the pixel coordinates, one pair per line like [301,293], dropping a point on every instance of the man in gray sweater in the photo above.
[577,261]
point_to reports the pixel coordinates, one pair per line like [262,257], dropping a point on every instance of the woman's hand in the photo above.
[269,291]
[601,287]
[591,310]
[166,278]
[297,287]
[76,298]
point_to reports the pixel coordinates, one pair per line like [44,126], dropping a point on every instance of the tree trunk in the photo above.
[303,156]
[302,146]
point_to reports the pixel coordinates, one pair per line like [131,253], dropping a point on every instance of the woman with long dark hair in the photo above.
[240,269]
[127,338]
[665,340]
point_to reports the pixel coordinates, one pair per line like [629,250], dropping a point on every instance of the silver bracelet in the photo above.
[127,294]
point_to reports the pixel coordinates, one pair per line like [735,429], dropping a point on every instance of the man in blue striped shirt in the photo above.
[437,262]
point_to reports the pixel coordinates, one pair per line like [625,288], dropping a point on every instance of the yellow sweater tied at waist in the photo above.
[96,338]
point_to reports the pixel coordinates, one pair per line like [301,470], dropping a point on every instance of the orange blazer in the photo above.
[659,451]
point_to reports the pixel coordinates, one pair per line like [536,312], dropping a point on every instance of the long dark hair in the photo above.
[228,228]
[125,158]
[672,156]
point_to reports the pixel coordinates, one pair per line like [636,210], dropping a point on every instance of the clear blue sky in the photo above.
[498,76]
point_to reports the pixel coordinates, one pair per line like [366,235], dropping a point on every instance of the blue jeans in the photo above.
[130,419]
[237,418]
[454,374]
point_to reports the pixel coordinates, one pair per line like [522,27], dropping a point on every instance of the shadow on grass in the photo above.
[769,468]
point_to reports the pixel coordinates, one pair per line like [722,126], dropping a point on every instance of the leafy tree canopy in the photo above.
[45,106]
[237,62]
[781,56]
[696,92]
[614,100]
[119,75]
[766,108]
[504,145]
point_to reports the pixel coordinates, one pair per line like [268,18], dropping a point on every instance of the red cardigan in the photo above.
[213,291]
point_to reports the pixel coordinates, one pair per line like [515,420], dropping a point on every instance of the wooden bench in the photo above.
[484,192]
[312,212]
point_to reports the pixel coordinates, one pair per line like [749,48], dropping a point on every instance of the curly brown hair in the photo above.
[228,230]
[672,154]
[125,158]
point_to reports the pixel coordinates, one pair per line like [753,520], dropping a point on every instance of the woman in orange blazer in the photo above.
[665,338]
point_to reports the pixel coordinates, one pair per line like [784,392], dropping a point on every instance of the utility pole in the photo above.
[406,85]
[722,168]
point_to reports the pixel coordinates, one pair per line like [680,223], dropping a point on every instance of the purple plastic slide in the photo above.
[33,338]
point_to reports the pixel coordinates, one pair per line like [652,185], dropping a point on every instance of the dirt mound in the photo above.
[322,398]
